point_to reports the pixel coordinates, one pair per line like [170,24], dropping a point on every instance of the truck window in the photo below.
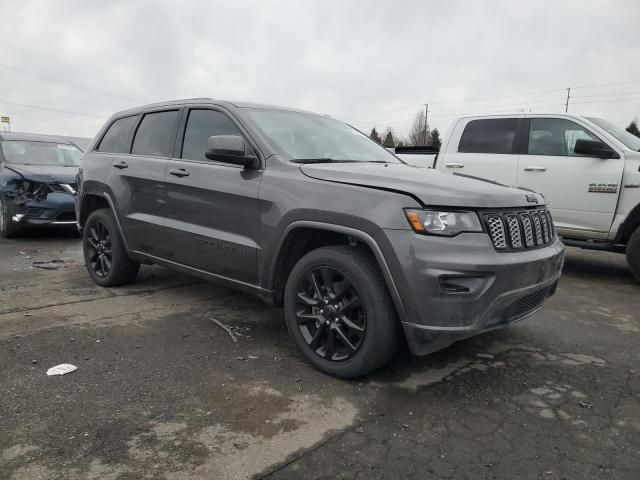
[201,125]
[155,134]
[489,136]
[118,137]
[555,137]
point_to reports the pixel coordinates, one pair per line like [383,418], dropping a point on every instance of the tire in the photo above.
[8,228]
[105,255]
[633,253]
[370,326]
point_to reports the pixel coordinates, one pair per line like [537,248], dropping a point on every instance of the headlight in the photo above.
[437,222]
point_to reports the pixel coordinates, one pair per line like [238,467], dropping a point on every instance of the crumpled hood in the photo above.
[431,187]
[45,173]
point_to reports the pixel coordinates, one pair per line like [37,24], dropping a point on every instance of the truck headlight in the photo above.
[438,222]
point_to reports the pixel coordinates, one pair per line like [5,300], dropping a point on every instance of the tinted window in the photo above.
[201,125]
[489,136]
[117,138]
[155,134]
[555,136]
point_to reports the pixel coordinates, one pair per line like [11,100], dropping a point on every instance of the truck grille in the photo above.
[515,230]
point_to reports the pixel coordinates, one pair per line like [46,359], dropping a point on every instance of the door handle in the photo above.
[454,165]
[121,165]
[179,172]
[535,169]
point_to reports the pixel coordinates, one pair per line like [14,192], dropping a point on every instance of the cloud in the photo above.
[369,62]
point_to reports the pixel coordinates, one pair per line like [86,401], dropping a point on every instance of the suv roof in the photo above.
[206,101]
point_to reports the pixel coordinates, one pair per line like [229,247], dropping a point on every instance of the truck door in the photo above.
[582,191]
[484,148]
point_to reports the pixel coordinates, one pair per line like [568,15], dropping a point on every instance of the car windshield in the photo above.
[625,137]
[41,153]
[310,138]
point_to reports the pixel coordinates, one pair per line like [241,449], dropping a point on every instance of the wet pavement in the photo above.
[162,391]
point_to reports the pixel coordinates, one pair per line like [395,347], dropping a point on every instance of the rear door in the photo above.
[212,207]
[137,180]
[582,191]
[484,148]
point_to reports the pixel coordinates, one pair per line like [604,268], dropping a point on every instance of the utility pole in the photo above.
[566,106]
[426,119]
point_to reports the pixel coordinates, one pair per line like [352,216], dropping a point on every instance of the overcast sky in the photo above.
[367,62]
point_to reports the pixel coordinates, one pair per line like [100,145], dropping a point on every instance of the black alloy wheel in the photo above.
[99,249]
[330,313]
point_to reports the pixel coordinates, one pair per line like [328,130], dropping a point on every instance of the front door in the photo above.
[582,191]
[212,207]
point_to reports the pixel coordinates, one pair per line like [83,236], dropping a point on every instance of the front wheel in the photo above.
[339,312]
[104,252]
[8,228]
[633,253]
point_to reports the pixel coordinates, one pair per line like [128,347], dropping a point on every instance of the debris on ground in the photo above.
[226,328]
[50,265]
[585,404]
[62,369]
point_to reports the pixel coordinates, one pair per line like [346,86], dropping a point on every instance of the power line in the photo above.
[68,85]
[38,107]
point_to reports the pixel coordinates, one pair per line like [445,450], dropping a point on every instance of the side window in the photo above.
[489,136]
[117,138]
[201,125]
[155,134]
[555,137]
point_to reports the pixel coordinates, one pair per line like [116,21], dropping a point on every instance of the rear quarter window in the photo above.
[118,136]
[489,136]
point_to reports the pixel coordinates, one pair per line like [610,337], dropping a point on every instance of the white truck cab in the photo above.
[587,168]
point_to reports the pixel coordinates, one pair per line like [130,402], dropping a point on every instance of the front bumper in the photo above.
[431,274]
[56,209]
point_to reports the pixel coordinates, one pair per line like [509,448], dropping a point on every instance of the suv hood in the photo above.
[431,187]
[45,174]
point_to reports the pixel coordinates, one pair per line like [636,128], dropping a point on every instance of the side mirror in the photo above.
[231,149]
[594,148]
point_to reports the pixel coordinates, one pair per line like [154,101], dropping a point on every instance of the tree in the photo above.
[435,139]
[633,128]
[419,134]
[375,136]
[388,140]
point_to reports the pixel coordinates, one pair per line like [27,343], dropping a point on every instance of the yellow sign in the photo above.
[5,120]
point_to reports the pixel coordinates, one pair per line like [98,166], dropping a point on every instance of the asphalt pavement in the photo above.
[162,391]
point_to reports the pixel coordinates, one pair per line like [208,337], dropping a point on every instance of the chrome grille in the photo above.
[515,230]
[496,230]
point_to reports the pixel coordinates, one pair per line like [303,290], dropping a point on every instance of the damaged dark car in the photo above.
[37,182]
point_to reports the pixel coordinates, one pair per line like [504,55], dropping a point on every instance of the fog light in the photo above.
[461,285]
[17,217]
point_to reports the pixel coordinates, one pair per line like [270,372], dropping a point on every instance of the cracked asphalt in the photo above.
[163,392]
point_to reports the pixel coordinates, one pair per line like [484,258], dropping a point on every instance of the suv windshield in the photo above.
[625,137]
[313,138]
[41,153]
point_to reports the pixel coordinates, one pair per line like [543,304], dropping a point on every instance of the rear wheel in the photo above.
[633,253]
[104,252]
[339,312]
[8,228]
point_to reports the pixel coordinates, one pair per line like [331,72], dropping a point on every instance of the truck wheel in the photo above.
[104,253]
[339,312]
[633,253]
[8,228]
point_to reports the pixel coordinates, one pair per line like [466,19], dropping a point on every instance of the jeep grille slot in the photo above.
[516,230]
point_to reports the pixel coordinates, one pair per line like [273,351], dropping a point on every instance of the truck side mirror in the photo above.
[594,148]
[231,149]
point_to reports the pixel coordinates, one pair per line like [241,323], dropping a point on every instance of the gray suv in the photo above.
[361,249]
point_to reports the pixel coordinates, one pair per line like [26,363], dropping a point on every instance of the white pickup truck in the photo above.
[587,168]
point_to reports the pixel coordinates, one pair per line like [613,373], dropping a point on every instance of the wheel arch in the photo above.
[631,223]
[305,236]
[92,201]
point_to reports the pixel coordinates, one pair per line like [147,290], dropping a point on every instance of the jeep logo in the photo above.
[531,198]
